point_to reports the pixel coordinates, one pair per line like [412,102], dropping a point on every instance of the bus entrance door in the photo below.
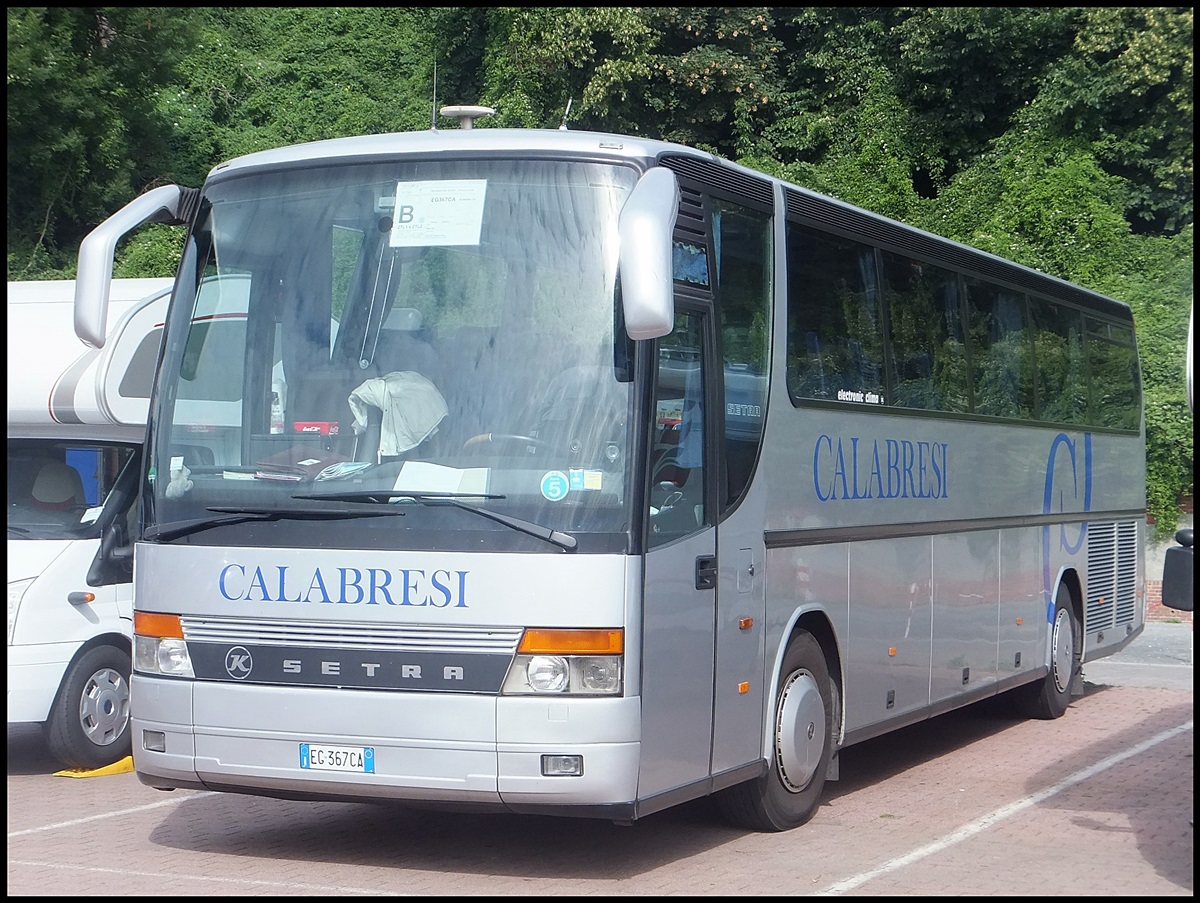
[680,594]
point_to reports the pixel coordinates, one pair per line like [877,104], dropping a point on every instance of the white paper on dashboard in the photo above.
[421,476]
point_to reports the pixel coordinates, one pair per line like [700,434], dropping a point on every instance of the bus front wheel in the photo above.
[1049,697]
[787,796]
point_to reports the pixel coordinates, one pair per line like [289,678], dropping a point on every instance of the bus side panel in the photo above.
[742,678]
[965,612]
[801,578]
[1022,603]
[1098,473]
[891,623]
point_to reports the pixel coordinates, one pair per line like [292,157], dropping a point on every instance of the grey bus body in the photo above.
[696,502]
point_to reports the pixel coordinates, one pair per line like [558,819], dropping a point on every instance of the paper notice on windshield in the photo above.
[438,213]
[421,476]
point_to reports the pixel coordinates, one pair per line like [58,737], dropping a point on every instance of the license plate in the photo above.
[320,757]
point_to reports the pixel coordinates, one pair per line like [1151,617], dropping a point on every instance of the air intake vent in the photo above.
[322,635]
[1111,575]
[689,227]
[1127,546]
[722,179]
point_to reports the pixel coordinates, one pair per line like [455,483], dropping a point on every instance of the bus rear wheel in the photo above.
[787,796]
[1049,697]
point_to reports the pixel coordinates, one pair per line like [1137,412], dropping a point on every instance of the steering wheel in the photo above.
[476,443]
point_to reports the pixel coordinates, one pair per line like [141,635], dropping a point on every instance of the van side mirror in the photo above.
[114,560]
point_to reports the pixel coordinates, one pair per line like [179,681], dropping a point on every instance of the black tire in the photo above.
[89,722]
[1049,697]
[789,793]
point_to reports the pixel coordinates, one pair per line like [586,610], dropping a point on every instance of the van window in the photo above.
[57,489]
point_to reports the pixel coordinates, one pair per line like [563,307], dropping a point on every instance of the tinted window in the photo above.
[835,346]
[1001,358]
[928,350]
[1061,376]
[743,252]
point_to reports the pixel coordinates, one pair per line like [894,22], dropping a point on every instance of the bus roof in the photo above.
[800,203]
[559,141]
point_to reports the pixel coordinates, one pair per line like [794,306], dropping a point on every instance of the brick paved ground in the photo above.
[1156,611]
[1096,803]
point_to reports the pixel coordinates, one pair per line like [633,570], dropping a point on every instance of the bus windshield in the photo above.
[427,335]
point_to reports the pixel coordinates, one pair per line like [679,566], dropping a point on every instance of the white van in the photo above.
[76,426]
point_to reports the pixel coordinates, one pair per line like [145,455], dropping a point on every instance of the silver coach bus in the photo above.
[609,474]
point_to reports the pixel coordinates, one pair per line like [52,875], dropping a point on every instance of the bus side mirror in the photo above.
[1177,573]
[167,204]
[646,226]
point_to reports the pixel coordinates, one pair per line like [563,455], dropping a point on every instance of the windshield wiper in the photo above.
[237,515]
[453,499]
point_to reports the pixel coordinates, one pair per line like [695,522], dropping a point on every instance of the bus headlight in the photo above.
[159,646]
[597,674]
[574,675]
[159,655]
[567,663]
[547,673]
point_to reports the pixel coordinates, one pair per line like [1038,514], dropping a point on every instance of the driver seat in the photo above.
[580,413]
[58,487]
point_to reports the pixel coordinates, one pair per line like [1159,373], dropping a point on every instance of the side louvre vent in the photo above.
[1127,546]
[1112,575]
[690,224]
[723,179]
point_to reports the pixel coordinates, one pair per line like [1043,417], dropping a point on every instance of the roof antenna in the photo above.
[566,113]
[466,115]
[433,111]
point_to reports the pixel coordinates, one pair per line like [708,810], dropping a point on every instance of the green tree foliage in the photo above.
[1126,88]
[84,132]
[701,75]
[261,78]
[965,71]
[1047,205]
[1059,137]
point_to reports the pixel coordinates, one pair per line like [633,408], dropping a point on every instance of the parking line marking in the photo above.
[83,821]
[175,877]
[970,830]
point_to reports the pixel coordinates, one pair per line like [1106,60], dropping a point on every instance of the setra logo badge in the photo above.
[239,662]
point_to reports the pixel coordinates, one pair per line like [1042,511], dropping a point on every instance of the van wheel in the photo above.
[1048,698]
[787,796]
[89,722]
